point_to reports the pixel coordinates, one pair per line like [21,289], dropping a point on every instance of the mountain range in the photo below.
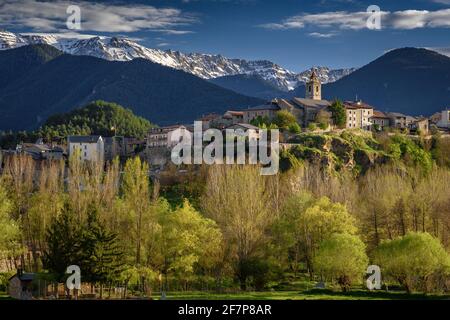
[37,81]
[251,85]
[205,66]
[412,81]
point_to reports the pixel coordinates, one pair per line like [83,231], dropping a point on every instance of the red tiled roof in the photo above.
[235,113]
[356,105]
[209,117]
[379,114]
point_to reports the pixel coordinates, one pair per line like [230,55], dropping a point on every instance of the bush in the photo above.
[312,126]
[284,119]
[342,257]
[414,261]
[441,151]
[376,127]
[255,271]
[401,147]
[4,277]
[295,128]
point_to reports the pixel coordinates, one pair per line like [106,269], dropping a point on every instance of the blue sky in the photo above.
[296,34]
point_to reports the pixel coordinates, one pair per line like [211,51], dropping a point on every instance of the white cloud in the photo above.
[176,32]
[100,17]
[409,19]
[322,35]
[337,19]
[406,19]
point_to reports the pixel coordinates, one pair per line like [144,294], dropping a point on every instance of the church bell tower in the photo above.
[313,87]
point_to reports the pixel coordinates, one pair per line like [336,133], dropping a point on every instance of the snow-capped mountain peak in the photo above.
[206,66]
[9,40]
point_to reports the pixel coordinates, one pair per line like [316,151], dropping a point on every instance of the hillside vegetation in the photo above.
[97,118]
[357,151]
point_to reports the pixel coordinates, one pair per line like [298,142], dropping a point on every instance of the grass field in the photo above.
[299,289]
[4,296]
[316,294]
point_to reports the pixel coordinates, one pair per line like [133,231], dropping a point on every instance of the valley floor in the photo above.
[316,294]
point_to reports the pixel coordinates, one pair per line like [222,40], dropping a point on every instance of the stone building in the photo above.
[420,124]
[313,87]
[163,136]
[20,285]
[359,115]
[380,119]
[268,111]
[114,147]
[159,142]
[397,120]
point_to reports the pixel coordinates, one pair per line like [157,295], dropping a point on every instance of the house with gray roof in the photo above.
[267,110]
[20,285]
[86,148]
[397,120]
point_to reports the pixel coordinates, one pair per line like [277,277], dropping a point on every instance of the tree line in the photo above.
[96,118]
[238,230]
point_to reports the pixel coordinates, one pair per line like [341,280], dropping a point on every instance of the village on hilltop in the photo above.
[313,114]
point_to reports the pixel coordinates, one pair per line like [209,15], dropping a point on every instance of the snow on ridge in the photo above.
[205,66]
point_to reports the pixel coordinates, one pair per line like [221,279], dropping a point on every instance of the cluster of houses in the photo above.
[309,109]
[155,147]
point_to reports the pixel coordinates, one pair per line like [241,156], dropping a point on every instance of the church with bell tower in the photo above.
[313,87]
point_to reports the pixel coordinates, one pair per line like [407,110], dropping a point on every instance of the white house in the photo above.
[359,115]
[91,148]
[444,122]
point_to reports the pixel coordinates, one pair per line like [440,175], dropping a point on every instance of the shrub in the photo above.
[4,277]
[342,257]
[401,147]
[256,271]
[312,126]
[295,128]
[323,126]
[284,119]
[413,260]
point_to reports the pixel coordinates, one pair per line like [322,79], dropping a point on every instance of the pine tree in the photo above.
[338,114]
[63,244]
[102,257]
